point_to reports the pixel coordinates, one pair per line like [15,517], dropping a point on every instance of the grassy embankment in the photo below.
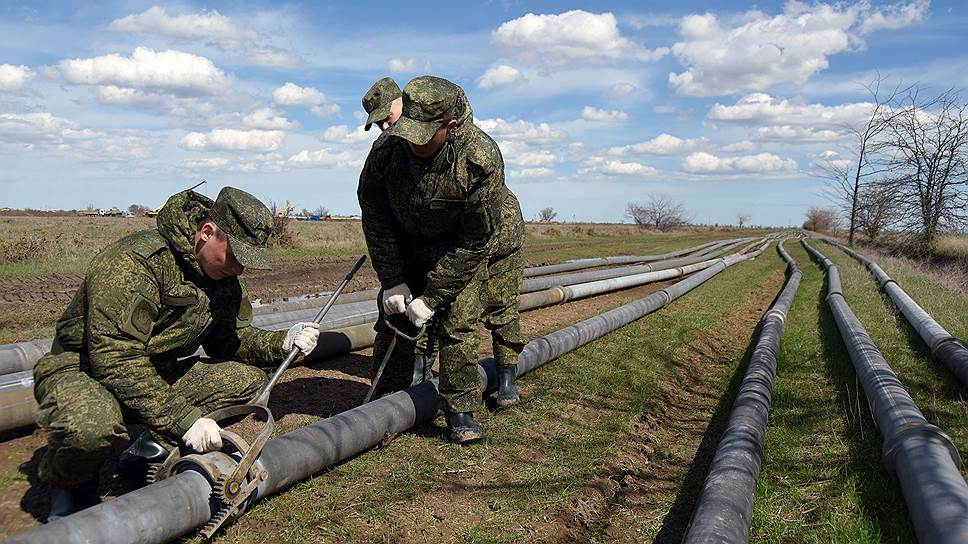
[822,480]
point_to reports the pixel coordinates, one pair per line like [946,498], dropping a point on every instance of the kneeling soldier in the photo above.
[147,302]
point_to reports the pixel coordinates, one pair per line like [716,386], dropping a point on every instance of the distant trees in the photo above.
[742,218]
[322,212]
[137,209]
[547,214]
[659,212]
[821,219]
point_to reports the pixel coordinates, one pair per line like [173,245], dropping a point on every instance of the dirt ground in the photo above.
[304,395]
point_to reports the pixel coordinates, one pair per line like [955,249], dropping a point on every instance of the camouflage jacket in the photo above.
[444,214]
[145,301]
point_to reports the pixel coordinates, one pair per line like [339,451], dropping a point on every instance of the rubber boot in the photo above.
[463,428]
[66,501]
[507,393]
[141,454]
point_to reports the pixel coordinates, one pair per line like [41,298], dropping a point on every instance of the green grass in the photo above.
[537,457]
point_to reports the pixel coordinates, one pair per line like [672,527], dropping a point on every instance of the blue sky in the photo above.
[726,106]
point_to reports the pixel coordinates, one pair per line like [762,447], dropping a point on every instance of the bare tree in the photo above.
[322,212]
[930,162]
[821,219]
[848,176]
[547,214]
[877,208]
[742,218]
[137,209]
[660,212]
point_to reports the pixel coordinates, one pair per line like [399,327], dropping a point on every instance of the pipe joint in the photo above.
[943,342]
[666,295]
[779,314]
[915,429]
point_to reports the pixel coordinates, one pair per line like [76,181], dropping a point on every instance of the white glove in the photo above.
[203,435]
[303,336]
[396,298]
[419,312]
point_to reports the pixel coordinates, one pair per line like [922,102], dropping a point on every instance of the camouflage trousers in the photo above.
[85,424]
[491,299]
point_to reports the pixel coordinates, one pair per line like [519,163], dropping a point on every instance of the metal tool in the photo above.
[403,328]
[234,471]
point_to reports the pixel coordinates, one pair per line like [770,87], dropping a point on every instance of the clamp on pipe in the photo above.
[912,429]
[949,340]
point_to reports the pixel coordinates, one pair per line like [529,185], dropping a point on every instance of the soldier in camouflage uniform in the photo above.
[441,225]
[146,303]
[383,104]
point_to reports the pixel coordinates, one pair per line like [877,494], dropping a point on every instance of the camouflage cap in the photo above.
[246,221]
[428,102]
[377,100]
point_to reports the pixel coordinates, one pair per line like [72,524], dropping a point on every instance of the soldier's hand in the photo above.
[396,298]
[303,336]
[419,312]
[203,436]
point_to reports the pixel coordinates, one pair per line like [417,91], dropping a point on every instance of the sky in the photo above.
[727,107]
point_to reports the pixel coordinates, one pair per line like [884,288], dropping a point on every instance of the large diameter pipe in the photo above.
[546,282]
[173,507]
[944,346]
[724,510]
[921,456]
[22,355]
[316,302]
[578,264]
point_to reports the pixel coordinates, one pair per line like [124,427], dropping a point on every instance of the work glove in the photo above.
[396,298]
[303,336]
[419,312]
[203,436]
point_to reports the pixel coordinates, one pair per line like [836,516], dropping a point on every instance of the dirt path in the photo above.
[659,472]
[304,395]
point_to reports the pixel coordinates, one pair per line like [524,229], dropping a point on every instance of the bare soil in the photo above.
[303,396]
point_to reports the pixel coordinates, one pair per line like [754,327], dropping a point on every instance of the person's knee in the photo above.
[253,380]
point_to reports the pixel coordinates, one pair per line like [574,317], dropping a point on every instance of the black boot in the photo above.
[507,393]
[66,501]
[463,428]
[141,454]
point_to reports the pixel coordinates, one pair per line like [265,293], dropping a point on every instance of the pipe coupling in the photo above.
[911,430]
[944,341]
[781,315]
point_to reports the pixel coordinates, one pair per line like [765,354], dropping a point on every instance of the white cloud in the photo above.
[501,129]
[226,139]
[208,26]
[168,71]
[615,167]
[340,134]
[268,119]
[399,66]
[894,16]
[589,113]
[744,146]
[540,172]
[318,103]
[620,90]
[788,133]
[14,78]
[208,163]
[519,153]
[663,144]
[325,158]
[569,37]
[762,109]
[762,163]
[764,50]
[276,58]
[500,76]
[44,131]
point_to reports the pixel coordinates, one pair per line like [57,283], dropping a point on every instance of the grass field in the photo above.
[613,440]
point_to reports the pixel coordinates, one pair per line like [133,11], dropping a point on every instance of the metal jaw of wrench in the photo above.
[235,471]
[402,328]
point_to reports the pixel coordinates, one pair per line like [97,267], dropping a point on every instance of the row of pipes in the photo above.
[349,326]
[172,507]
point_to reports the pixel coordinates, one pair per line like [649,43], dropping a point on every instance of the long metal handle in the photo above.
[263,397]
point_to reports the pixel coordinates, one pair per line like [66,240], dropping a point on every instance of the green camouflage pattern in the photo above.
[428,102]
[247,223]
[461,232]
[86,425]
[376,101]
[145,303]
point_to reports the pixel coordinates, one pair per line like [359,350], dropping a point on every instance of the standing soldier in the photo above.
[445,234]
[147,302]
